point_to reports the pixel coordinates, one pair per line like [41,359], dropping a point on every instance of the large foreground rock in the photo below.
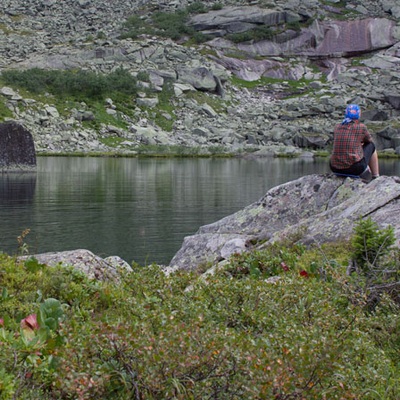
[314,208]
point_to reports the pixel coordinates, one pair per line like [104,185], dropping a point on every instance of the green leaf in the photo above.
[43,333]
[33,265]
[51,323]
[4,294]
[50,313]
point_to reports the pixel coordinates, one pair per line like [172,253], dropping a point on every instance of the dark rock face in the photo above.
[322,39]
[314,208]
[394,100]
[17,149]
[355,37]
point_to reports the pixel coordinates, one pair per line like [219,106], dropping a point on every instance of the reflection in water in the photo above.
[17,187]
[139,209]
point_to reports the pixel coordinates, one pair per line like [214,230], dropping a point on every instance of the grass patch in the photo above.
[5,29]
[263,81]
[166,107]
[215,102]
[112,141]
[261,32]
[182,151]
[321,153]
[5,112]
[345,13]
[171,25]
[80,85]
[290,88]
[69,89]
[103,118]
[388,155]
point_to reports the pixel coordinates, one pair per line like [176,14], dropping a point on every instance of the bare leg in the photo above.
[374,164]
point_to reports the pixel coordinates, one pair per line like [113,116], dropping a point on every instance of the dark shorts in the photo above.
[359,167]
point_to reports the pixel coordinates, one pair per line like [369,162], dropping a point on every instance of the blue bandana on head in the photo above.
[352,113]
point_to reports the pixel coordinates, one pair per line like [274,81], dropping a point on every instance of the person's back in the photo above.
[353,149]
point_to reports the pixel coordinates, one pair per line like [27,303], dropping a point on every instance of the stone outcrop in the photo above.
[85,261]
[323,39]
[313,209]
[239,19]
[17,148]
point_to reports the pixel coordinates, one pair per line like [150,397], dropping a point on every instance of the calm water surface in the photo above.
[138,209]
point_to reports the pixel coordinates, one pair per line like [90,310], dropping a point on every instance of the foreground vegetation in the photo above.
[284,322]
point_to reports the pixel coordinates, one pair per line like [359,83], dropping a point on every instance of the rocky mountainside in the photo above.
[266,77]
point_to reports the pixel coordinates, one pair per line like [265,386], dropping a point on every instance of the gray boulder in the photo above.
[394,100]
[253,69]
[311,140]
[375,115]
[389,136]
[240,19]
[313,209]
[200,78]
[389,133]
[85,261]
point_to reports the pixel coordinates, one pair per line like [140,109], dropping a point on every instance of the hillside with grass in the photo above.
[198,77]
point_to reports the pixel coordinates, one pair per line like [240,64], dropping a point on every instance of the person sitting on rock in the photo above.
[354,152]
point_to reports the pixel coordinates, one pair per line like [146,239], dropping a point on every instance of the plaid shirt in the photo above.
[348,140]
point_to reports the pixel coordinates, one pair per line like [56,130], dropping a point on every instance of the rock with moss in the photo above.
[85,261]
[312,210]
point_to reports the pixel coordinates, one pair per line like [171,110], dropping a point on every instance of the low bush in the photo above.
[261,32]
[371,246]
[79,85]
[166,24]
[5,112]
[69,89]
[281,323]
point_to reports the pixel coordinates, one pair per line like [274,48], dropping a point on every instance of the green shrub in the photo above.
[295,25]
[5,112]
[375,262]
[80,85]
[197,7]
[262,32]
[217,6]
[133,27]
[371,245]
[178,336]
[172,25]
[166,24]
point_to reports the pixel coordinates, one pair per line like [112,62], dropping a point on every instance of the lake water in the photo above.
[137,208]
